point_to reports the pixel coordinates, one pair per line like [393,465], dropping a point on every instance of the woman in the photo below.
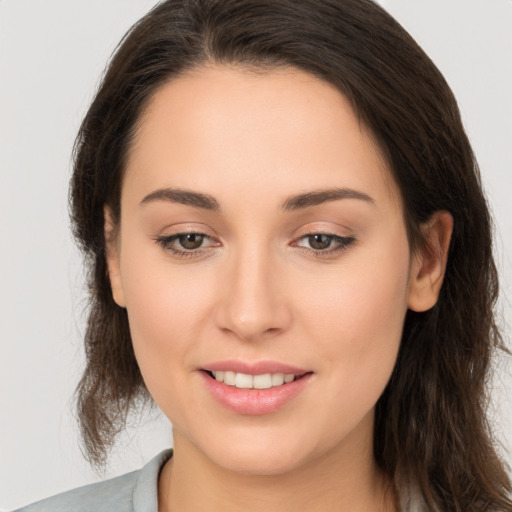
[291,255]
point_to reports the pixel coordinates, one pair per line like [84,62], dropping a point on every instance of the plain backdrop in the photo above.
[52,53]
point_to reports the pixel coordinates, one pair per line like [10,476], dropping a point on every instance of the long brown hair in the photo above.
[431,430]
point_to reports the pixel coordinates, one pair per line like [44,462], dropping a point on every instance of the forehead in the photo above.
[282,126]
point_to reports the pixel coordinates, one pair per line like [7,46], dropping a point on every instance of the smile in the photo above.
[246,381]
[263,391]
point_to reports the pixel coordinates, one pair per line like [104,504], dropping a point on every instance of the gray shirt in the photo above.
[134,492]
[138,492]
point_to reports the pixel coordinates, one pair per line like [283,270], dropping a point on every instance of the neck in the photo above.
[335,481]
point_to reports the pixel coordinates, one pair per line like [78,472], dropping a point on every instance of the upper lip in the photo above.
[254,368]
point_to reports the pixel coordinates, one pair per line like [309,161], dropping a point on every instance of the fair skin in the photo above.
[320,282]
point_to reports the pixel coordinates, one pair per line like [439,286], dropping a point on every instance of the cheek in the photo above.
[164,308]
[356,317]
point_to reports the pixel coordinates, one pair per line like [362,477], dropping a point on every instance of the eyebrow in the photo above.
[317,197]
[297,202]
[186,197]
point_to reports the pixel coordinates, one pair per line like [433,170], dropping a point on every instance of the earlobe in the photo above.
[429,262]
[112,257]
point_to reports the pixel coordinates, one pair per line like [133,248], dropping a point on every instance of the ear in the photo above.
[112,256]
[429,262]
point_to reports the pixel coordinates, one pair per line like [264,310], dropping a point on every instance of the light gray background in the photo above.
[51,55]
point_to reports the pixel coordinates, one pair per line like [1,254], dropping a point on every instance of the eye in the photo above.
[186,244]
[190,241]
[320,242]
[323,243]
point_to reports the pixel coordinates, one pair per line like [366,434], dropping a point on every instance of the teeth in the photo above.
[278,379]
[262,381]
[229,378]
[244,381]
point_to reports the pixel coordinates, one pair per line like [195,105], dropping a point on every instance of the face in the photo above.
[261,243]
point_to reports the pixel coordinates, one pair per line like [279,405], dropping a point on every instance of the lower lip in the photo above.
[254,401]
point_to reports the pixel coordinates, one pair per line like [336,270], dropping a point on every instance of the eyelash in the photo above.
[342,243]
[166,242]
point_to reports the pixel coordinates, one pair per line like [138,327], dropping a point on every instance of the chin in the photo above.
[268,463]
[265,457]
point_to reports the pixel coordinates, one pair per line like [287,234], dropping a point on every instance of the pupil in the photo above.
[319,241]
[191,241]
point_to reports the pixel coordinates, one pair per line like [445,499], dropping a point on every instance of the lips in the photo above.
[254,388]
[256,368]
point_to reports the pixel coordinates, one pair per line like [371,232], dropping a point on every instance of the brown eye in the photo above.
[187,245]
[191,241]
[320,242]
[324,244]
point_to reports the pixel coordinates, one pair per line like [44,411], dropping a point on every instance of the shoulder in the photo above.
[133,492]
[113,495]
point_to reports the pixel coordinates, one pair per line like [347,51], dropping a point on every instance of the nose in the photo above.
[252,304]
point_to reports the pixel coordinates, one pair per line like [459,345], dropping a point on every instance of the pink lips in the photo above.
[254,368]
[254,401]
